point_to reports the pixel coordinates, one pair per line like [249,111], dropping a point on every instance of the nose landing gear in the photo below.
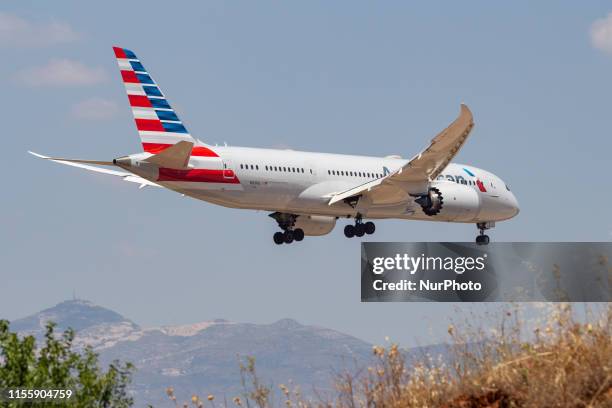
[482,238]
[359,229]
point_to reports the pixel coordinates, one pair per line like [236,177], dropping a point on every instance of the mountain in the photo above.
[95,326]
[203,358]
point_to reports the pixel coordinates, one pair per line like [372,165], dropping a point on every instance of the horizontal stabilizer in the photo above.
[81,164]
[173,157]
[96,162]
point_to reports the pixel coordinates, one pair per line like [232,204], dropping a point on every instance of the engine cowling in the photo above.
[450,202]
[315,225]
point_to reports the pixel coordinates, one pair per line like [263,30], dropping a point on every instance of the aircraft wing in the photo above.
[422,168]
[87,164]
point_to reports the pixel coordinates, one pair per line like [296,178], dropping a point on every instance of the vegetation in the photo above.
[56,365]
[559,363]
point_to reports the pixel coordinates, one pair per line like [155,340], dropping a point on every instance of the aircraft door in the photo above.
[228,173]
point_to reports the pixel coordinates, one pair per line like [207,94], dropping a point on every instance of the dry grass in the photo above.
[560,363]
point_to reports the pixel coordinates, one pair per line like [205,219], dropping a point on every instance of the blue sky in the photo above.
[346,77]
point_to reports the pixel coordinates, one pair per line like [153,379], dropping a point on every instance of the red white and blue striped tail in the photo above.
[158,124]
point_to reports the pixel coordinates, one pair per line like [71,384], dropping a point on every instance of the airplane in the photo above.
[305,192]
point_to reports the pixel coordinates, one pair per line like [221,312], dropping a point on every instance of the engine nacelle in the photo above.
[450,202]
[315,224]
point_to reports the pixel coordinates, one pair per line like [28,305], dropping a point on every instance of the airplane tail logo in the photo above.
[158,124]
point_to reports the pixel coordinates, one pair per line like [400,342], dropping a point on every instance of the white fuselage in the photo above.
[302,183]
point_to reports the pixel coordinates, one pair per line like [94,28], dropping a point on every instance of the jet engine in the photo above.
[432,202]
[315,224]
[450,201]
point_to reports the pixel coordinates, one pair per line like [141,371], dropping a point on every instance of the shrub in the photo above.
[56,365]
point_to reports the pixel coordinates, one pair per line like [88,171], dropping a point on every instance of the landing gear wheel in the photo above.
[369,227]
[359,230]
[482,239]
[349,231]
[298,234]
[279,238]
[288,236]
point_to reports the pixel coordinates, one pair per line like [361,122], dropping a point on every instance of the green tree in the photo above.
[56,365]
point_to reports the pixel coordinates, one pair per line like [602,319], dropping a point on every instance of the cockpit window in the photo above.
[507,188]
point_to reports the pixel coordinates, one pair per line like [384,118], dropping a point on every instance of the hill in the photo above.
[204,357]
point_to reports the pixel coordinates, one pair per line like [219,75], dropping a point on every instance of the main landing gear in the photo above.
[359,229]
[289,234]
[482,238]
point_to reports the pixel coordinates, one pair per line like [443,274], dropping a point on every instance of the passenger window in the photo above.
[257,166]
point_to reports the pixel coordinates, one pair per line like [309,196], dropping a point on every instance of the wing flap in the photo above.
[355,191]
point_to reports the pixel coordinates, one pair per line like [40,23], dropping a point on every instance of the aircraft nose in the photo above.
[514,205]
